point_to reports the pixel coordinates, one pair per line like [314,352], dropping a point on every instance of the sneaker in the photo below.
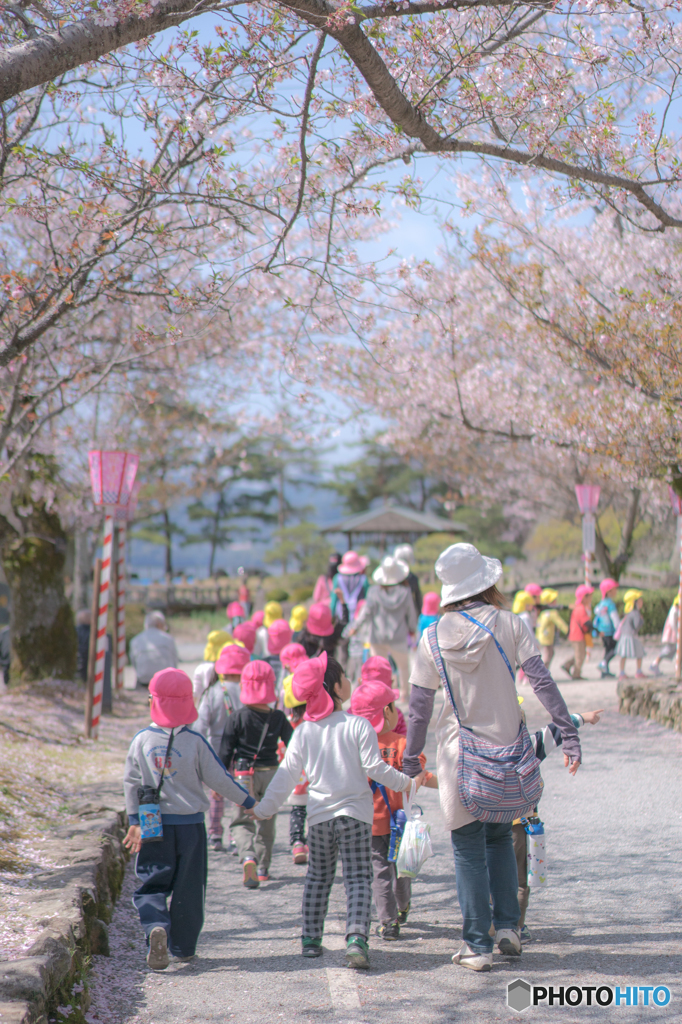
[299,852]
[655,670]
[184,959]
[468,957]
[508,941]
[217,845]
[263,877]
[357,953]
[640,675]
[250,875]
[311,947]
[605,674]
[402,915]
[621,677]
[526,935]
[390,932]
[157,954]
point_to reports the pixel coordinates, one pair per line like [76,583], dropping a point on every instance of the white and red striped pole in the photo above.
[102,616]
[121,606]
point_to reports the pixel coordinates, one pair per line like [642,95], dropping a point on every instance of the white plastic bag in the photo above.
[415,846]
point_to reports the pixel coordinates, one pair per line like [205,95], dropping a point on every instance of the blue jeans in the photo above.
[485,866]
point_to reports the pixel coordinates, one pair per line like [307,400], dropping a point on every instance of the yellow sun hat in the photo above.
[215,641]
[298,618]
[549,596]
[272,612]
[629,599]
[523,601]
[289,700]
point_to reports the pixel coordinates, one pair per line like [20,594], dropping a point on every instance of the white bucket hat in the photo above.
[405,553]
[390,572]
[465,572]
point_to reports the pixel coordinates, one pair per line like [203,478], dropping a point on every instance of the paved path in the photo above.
[611,913]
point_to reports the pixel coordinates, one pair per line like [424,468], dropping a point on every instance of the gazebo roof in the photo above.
[395,519]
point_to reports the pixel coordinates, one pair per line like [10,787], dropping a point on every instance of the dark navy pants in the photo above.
[175,867]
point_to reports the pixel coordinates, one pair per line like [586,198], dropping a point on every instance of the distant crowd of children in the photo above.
[262,724]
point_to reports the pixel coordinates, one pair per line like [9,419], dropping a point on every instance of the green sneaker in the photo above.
[357,953]
[402,914]
[310,946]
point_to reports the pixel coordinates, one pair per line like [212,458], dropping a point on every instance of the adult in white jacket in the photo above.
[337,751]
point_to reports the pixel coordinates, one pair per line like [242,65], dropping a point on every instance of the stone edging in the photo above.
[660,700]
[75,905]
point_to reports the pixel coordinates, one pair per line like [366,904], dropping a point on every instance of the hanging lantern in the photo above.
[112,475]
[588,498]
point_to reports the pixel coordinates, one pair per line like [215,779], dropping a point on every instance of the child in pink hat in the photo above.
[235,614]
[279,635]
[337,751]
[349,586]
[374,699]
[245,633]
[320,632]
[580,626]
[292,656]
[218,701]
[430,611]
[170,755]
[251,740]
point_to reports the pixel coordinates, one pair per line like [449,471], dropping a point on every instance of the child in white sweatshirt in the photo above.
[337,751]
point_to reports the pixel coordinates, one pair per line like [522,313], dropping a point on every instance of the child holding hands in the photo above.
[337,751]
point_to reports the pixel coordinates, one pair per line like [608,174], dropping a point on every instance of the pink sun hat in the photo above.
[173,700]
[235,610]
[232,660]
[292,655]
[606,585]
[351,564]
[431,603]
[582,591]
[378,669]
[369,700]
[279,635]
[308,687]
[257,618]
[257,685]
[320,620]
[534,589]
[245,632]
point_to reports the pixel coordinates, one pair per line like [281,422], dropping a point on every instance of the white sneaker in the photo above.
[508,941]
[157,955]
[474,961]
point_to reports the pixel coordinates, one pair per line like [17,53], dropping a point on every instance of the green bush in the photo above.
[277,594]
[300,594]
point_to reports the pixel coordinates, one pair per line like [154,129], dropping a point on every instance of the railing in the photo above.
[180,595]
[570,573]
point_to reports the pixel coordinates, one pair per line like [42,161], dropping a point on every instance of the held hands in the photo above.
[133,839]
[419,780]
[250,812]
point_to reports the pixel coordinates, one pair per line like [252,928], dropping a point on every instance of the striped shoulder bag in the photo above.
[496,784]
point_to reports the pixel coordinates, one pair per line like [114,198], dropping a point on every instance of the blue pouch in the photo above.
[398,822]
[151,823]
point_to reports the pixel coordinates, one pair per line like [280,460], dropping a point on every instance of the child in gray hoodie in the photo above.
[170,754]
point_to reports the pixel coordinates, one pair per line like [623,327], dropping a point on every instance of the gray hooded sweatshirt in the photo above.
[390,613]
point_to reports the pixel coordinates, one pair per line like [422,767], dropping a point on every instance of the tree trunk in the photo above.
[615,566]
[82,571]
[42,627]
[168,530]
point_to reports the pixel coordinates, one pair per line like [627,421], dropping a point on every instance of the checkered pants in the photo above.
[353,840]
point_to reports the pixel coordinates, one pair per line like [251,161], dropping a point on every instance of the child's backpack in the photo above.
[602,618]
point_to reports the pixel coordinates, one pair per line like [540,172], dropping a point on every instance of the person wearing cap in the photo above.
[580,625]
[430,611]
[244,596]
[215,641]
[485,694]
[337,751]
[324,585]
[279,635]
[349,590]
[606,622]
[320,632]
[668,638]
[374,699]
[629,645]
[251,740]
[405,553]
[297,620]
[169,750]
[548,622]
[271,612]
[218,699]
[291,656]
[392,616]
[245,634]
[235,613]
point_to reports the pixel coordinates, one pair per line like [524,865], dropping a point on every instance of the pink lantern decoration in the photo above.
[125,513]
[112,475]
[675,501]
[588,498]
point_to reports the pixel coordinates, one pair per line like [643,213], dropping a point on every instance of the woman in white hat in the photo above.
[389,610]
[485,694]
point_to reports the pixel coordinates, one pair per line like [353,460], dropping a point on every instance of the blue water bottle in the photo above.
[398,822]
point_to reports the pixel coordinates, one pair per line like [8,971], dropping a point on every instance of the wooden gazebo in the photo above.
[394,521]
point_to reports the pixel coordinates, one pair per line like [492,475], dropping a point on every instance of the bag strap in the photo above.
[432,637]
[163,767]
[379,787]
[262,738]
[497,642]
